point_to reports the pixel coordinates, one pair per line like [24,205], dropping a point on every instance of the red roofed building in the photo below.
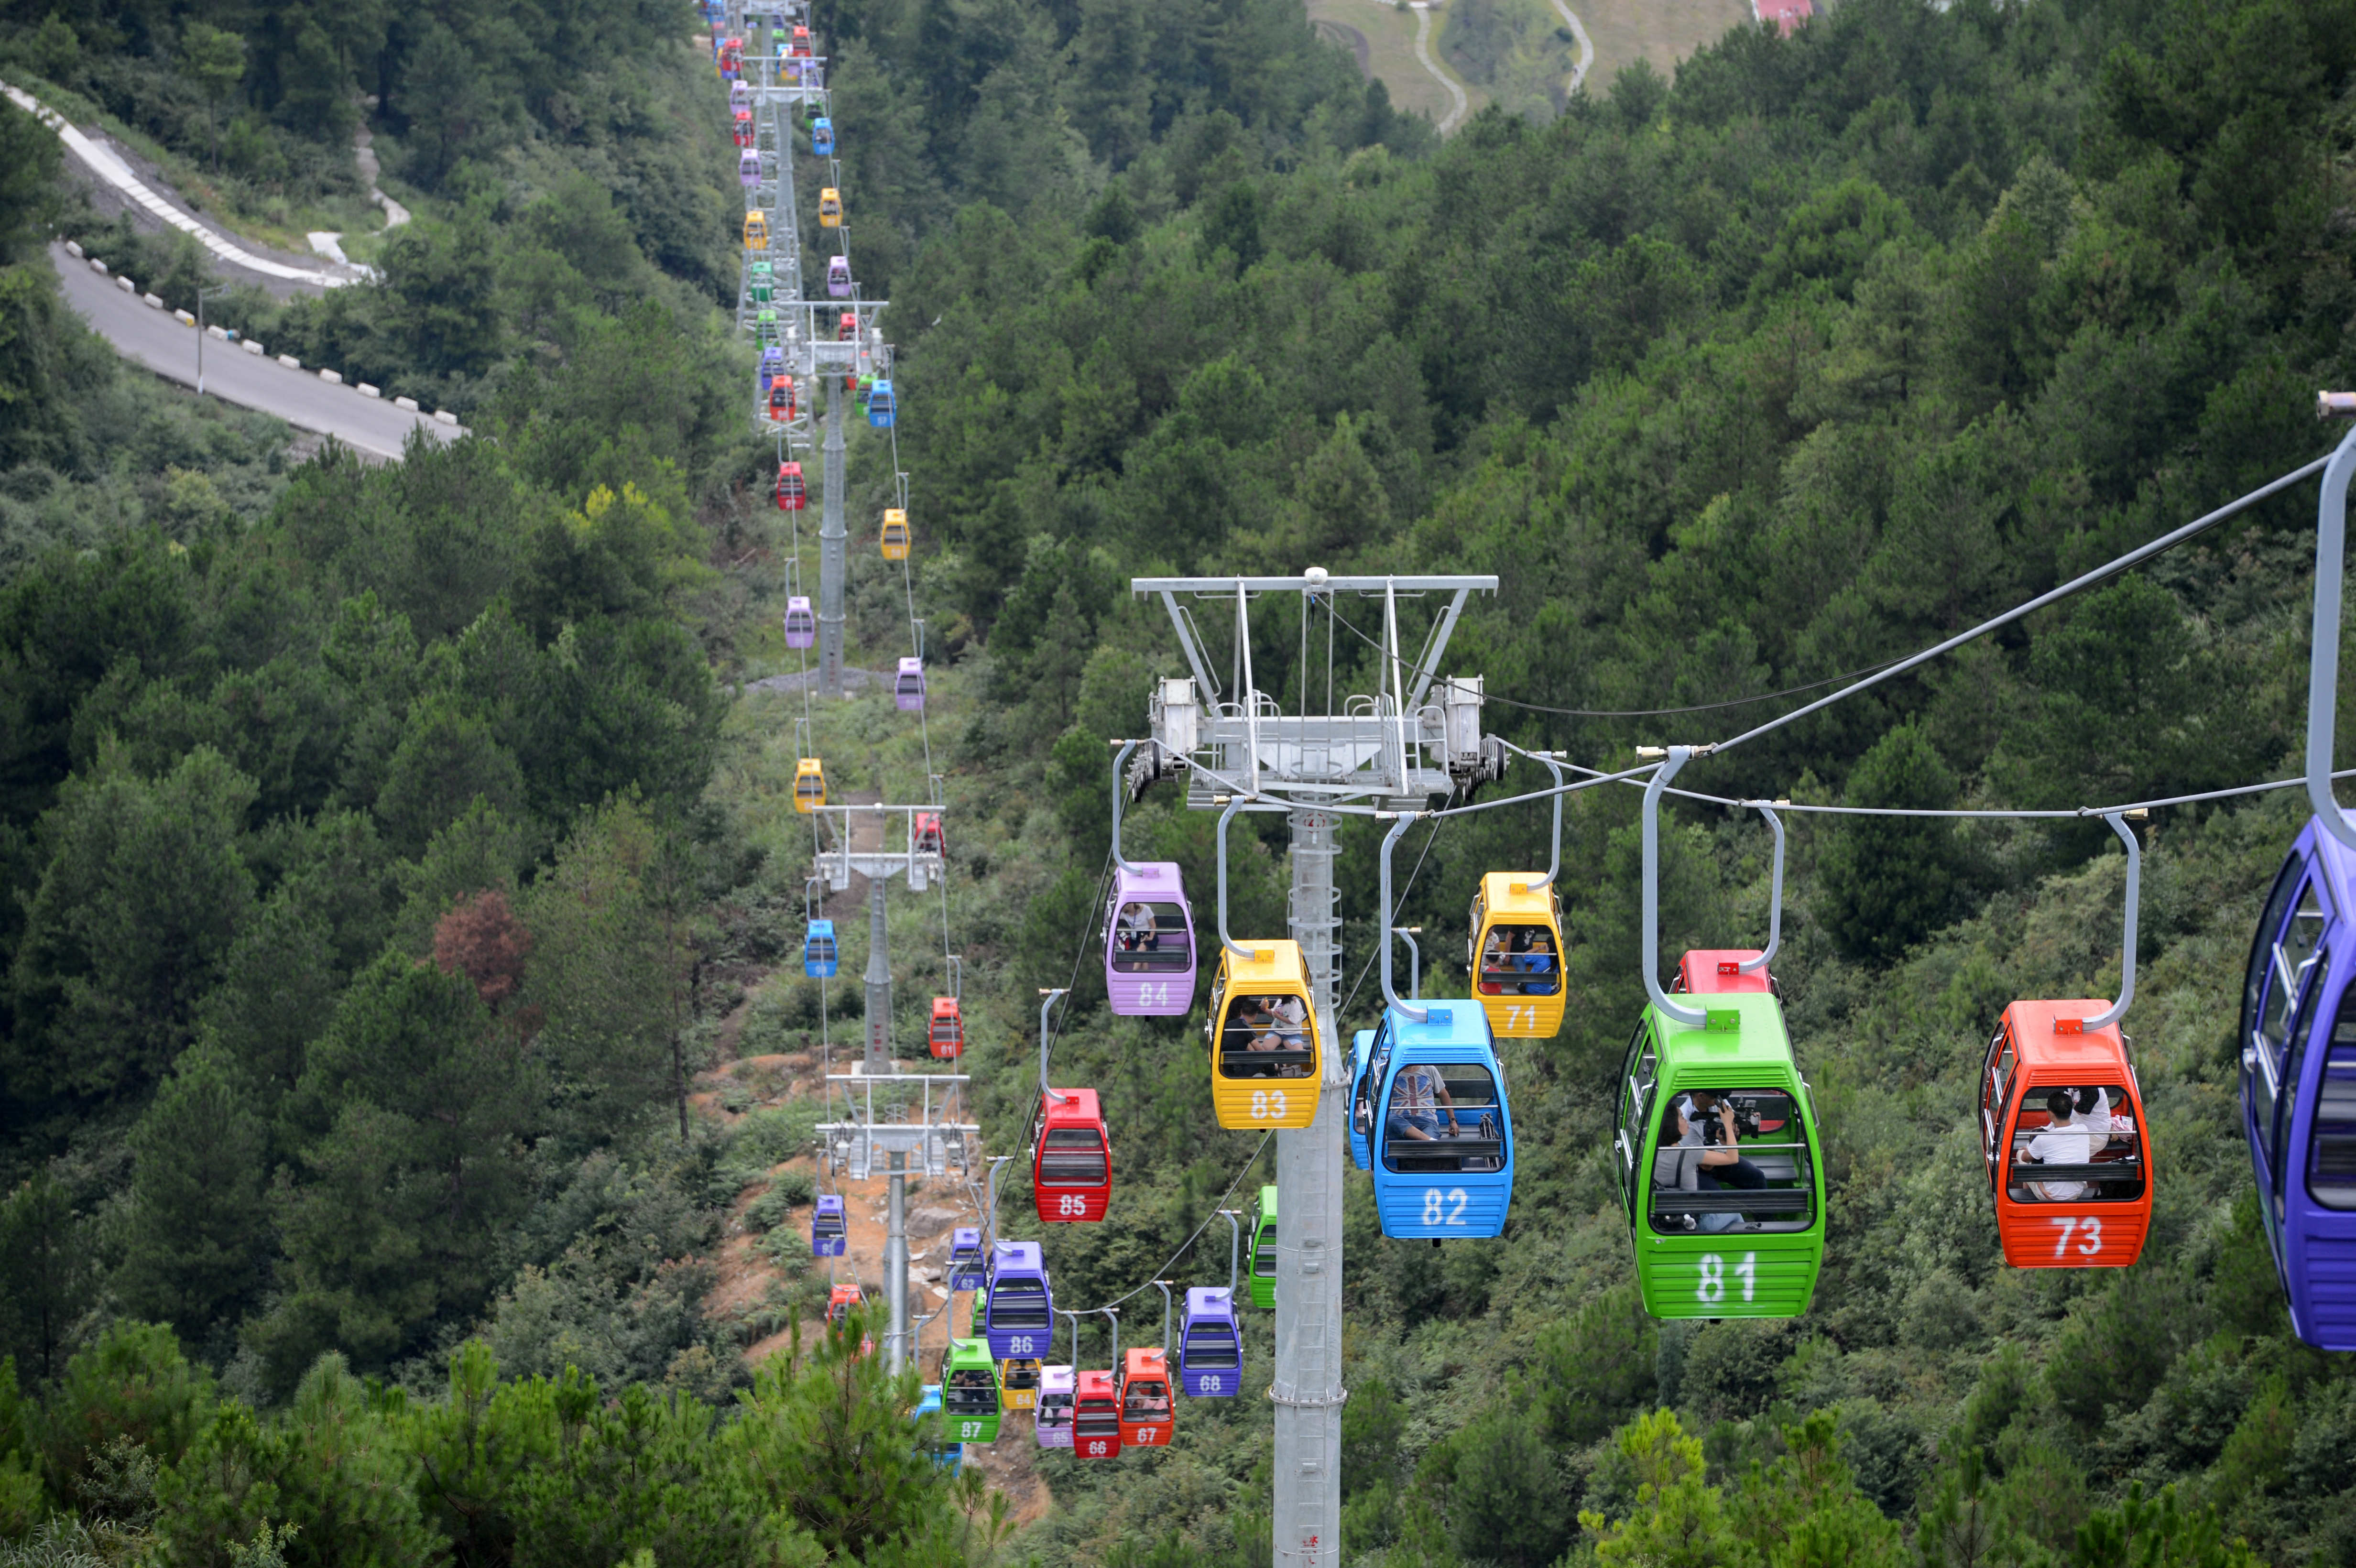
[1785,14]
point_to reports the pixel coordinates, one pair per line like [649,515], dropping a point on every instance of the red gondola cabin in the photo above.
[1096,1417]
[1071,1170]
[2063,1128]
[1145,1403]
[947,1033]
[926,833]
[791,496]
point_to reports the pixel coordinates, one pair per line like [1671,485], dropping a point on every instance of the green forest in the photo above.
[398,862]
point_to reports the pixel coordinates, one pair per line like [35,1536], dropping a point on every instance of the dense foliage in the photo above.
[1739,382]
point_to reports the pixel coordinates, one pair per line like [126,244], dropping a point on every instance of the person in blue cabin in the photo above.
[1419,1098]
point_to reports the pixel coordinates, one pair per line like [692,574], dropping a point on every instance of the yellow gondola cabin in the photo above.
[1514,953]
[1266,1051]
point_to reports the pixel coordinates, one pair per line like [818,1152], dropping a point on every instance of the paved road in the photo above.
[1586,45]
[155,339]
[1450,120]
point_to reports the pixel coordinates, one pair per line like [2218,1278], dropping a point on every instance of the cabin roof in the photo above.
[2048,1055]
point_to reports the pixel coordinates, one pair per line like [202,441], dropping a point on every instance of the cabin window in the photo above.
[2289,966]
[1021,1374]
[1151,938]
[1730,1159]
[1018,1304]
[1443,1117]
[2075,1143]
[1074,1157]
[2331,1140]
[1146,1399]
[1637,1076]
[1098,1420]
[1264,1253]
[1211,1346]
[2270,925]
[971,1391]
[1519,961]
[1264,1034]
[1993,1106]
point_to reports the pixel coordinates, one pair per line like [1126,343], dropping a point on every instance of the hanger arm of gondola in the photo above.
[2118,1009]
[1047,1000]
[1774,897]
[1691,1017]
[1120,772]
[1390,991]
[2323,645]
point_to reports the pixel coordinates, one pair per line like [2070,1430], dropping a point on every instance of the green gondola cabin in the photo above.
[1719,1167]
[969,1408]
[1263,1250]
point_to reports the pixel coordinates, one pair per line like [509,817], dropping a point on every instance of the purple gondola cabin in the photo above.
[1150,942]
[1210,1347]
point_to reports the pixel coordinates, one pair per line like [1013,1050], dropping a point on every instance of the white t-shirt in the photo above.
[2067,1143]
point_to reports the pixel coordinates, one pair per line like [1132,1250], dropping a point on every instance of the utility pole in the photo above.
[895,1262]
[1397,748]
[1308,1391]
[878,981]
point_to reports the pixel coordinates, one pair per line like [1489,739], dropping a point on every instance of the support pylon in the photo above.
[833,538]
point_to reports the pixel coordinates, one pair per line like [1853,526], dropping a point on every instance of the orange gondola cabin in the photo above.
[792,495]
[1071,1170]
[1145,1405]
[947,1035]
[2063,1128]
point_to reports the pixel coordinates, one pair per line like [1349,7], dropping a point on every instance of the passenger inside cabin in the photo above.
[2080,1128]
[1418,1095]
[1146,1400]
[1538,967]
[1137,933]
[1703,1156]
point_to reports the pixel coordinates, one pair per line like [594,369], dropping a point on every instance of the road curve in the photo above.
[1455,116]
[157,340]
[1585,45]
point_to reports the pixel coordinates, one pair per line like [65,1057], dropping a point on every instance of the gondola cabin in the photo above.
[2061,1127]
[1053,1423]
[1210,1344]
[1362,1050]
[841,1303]
[801,624]
[1432,1104]
[1719,1167]
[793,495]
[846,326]
[809,784]
[829,1235]
[740,96]
[944,1454]
[1514,953]
[772,360]
[1019,1378]
[965,1259]
[781,399]
[1719,972]
[883,413]
[1071,1170]
[763,278]
[742,126]
[924,833]
[896,534]
[757,231]
[969,1408]
[1146,1406]
[1019,1313]
[802,43]
[748,171]
[947,1033]
[829,208]
[819,956]
[838,277]
[1264,1039]
[1150,942]
[908,685]
[1096,1417]
[2298,1085]
[822,136]
[1263,1250]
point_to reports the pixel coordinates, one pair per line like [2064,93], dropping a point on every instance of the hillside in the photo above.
[403,893]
